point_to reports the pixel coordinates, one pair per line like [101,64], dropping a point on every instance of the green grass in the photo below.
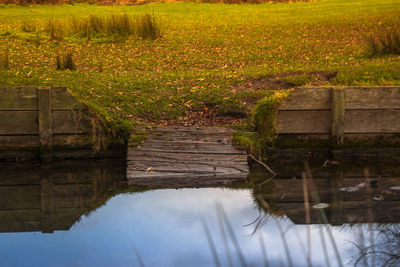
[205,53]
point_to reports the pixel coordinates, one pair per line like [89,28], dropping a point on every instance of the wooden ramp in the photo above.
[176,157]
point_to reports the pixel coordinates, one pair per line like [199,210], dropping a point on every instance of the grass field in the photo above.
[205,59]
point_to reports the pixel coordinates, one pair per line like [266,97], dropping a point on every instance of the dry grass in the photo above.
[28,26]
[114,25]
[385,41]
[147,27]
[55,30]
[4,61]
[65,61]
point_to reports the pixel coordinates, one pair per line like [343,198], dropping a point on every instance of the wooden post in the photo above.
[337,119]
[46,201]
[45,123]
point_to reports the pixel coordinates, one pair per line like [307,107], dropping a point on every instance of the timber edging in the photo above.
[49,123]
[340,118]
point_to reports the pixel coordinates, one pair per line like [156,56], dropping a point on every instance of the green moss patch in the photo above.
[137,137]
[264,116]
[261,133]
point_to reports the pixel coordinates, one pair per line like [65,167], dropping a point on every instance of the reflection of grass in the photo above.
[310,194]
[311,189]
[383,249]
[223,217]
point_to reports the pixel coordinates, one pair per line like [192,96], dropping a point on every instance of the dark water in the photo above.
[84,214]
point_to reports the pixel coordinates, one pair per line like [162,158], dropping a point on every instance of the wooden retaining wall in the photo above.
[48,122]
[341,114]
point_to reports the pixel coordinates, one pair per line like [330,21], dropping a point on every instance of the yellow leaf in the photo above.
[149,169]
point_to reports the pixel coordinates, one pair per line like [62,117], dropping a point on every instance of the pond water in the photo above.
[84,214]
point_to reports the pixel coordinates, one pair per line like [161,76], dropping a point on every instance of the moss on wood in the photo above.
[137,137]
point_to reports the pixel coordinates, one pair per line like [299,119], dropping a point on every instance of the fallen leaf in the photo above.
[321,206]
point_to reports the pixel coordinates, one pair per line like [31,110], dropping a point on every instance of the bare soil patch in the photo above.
[281,81]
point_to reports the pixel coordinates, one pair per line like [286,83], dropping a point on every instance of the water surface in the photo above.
[85,215]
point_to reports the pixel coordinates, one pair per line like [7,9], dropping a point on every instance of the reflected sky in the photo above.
[166,228]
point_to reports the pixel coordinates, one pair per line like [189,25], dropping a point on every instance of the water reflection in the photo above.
[378,245]
[47,198]
[366,192]
[103,227]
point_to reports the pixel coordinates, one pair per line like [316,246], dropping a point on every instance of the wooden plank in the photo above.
[19,122]
[19,154]
[357,212]
[307,137]
[138,155]
[182,181]
[19,220]
[178,141]
[45,123]
[73,195]
[372,121]
[17,176]
[214,138]
[303,121]
[66,217]
[346,212]
[20,197]
[290,190]
[73,141]
[316,98]
[71,122]
[186,167]
[18,98]
[373,97]
[389,137]
[187,130]
[19,141]
[46,204]
[187,146]
[337,113]
[195,152]
[308,98]
[86,153]
[62,99]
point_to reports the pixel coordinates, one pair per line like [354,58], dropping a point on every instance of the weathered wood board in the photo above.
[175,157]
[344,113]
[48,122]
[289,122]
